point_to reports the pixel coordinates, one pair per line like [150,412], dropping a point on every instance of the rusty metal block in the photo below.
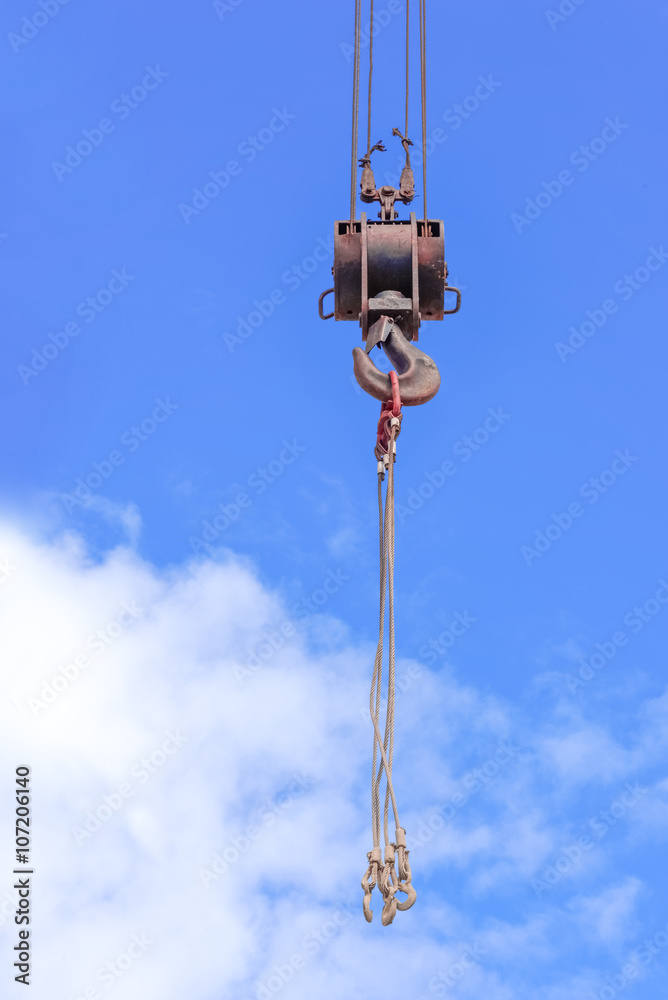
[373,257]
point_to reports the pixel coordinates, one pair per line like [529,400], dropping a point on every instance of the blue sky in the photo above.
[186,367]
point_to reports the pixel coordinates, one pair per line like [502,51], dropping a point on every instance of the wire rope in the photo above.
[368,130]
[423,83]
[356,99]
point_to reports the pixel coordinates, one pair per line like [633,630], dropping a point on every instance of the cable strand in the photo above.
[386,745]
[382,871]
[408,22]
[423,82]
[389,506]
[375,697]
[355,115]
[368,130]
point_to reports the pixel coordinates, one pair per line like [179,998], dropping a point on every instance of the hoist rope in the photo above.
[356,97]
[368,129]
[381,871]
[423,82]
[408,25]
[356,103]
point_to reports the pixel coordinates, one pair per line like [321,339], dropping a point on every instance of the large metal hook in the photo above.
[419,378]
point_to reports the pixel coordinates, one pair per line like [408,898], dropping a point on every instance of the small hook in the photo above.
[419,378]
[410,893]
[389,911]
[369,882]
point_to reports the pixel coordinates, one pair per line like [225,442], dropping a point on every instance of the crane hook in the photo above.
[419,378]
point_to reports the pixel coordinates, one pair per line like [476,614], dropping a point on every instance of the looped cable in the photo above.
[391,883]
[385,874]
[365,161]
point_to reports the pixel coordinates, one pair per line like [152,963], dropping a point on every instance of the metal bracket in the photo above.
[415,325]
[320,305]
[450,312]
[364,314]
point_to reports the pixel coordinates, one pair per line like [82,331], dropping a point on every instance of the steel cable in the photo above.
[384,746]
[389,721]
[356,99]
[408,24]
[423,82]
[368,130]
[379,872]
[374,701]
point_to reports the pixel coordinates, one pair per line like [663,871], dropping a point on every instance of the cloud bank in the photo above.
[200,809]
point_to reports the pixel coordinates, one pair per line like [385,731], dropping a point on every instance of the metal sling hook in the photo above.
[419,378]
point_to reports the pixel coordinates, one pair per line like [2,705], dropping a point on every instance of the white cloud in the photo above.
[586,752]
[233,812]
[608,916]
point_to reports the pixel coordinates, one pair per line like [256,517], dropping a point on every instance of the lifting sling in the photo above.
[389,275]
